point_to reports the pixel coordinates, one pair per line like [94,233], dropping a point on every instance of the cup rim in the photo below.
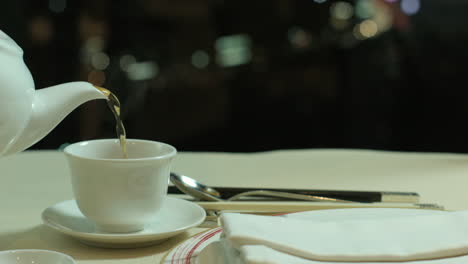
[171,153]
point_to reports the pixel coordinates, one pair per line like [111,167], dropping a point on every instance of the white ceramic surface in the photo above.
[120,195]
[175,217]
[26,114]
[206,249]
[34,256]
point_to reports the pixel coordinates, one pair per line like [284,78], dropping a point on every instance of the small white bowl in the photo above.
[34,256]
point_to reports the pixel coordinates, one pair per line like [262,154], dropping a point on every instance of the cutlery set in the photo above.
[272,201]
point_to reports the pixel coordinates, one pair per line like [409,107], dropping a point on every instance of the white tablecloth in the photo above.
[33,180]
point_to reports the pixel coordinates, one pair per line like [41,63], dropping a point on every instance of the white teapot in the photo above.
[26,114]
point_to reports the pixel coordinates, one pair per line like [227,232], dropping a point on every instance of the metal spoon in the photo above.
[196,189]
[205,193]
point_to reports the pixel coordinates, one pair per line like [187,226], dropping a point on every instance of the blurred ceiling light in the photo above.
[341,10]
[357,33]
[41,30]
[383,17]
[410,7]
[141,71]
[299,38]
[90,48]
[100,60]
[57,6]
[368,28]
[233,50]
[364,9]
[200,59]
[320,1]
[94,44]
[125,61]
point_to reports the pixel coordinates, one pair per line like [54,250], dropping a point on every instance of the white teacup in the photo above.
[117,194]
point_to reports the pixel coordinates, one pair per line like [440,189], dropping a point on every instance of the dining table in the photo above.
[33,180]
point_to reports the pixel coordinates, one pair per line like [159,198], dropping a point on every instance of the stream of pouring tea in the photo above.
[114,105]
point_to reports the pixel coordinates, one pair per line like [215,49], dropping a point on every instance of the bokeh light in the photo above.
[410,7]
[41,30]
[97,78]
[364,9]
[233,50]
[366,29]
[341,10]
[125,61]
[299,37]
[100,60]
[141,71]
[94,44]
[200,59]
[383,17]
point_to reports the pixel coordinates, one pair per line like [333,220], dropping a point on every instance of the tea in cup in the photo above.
[120,194]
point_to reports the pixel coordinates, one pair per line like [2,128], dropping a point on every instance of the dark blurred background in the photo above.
[242,76]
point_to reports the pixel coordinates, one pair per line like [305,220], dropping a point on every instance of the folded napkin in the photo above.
[436,238]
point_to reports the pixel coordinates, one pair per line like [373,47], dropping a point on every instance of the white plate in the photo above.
[29,256]
[204,248]
[175,217]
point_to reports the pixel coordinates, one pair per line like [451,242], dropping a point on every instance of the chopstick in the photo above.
[214,209]
[293,206]
[350,195]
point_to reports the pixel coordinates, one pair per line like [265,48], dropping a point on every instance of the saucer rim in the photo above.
[118,238]
[34,251]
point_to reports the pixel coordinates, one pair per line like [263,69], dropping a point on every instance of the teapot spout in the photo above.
[50,106]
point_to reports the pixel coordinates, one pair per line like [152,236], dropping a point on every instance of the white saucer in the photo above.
[29,256]
[175,217]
